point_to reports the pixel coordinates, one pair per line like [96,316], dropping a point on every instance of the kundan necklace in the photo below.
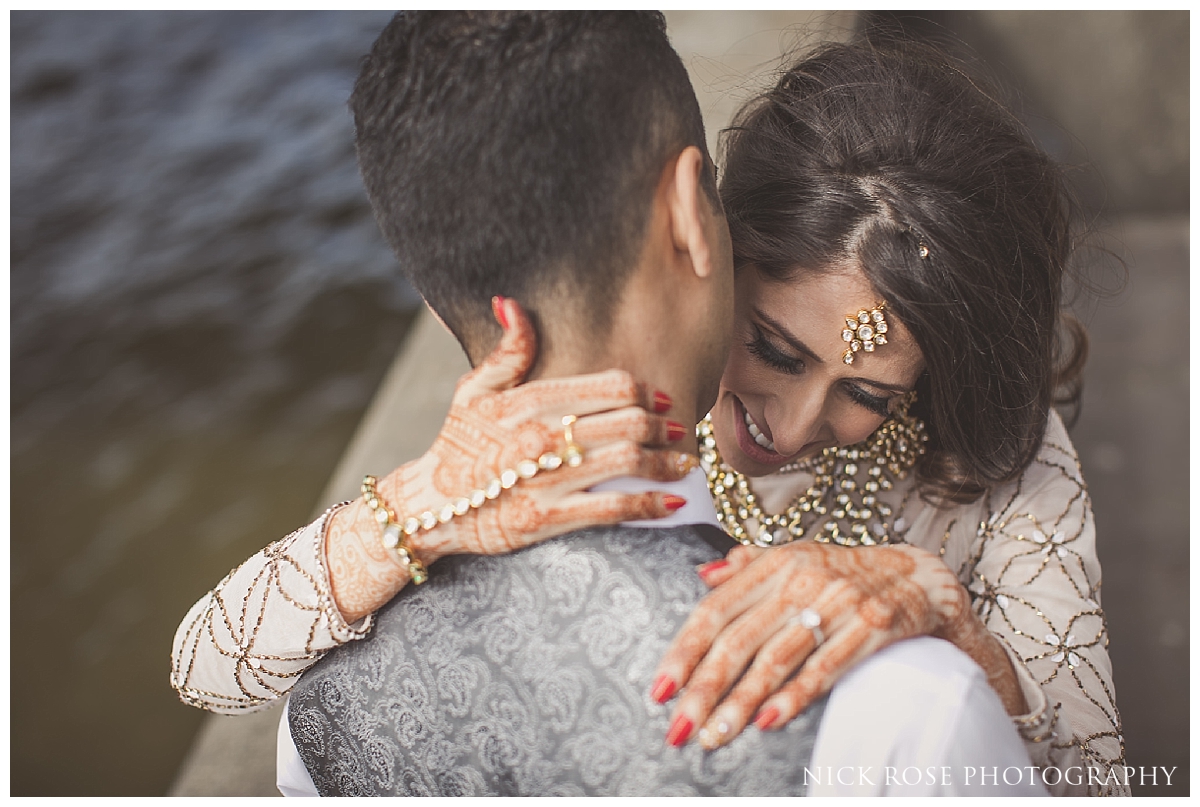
[851,512]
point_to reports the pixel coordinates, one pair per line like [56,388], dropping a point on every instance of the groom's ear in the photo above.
[691,213]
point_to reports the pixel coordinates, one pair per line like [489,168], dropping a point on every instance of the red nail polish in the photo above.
[498,310]
[664,688]
[673,502]
[708,568]
[766,717]
[662,402]
[675,431]
[679,732]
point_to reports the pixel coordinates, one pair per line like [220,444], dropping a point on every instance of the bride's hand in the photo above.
[799,616]
[494,423]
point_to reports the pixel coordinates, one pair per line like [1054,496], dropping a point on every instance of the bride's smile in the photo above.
[787,394]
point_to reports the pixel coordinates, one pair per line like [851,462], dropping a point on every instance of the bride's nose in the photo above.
[798,419]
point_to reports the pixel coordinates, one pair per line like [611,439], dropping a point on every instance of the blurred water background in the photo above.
[202,307]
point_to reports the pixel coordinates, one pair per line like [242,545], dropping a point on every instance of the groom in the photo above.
[558,159]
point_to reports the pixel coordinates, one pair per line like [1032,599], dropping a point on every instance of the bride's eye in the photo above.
[872,403]
[772,356]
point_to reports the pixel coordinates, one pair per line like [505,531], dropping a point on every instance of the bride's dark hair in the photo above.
[877,152]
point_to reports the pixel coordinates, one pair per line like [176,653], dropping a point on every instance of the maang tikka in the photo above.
[865,331]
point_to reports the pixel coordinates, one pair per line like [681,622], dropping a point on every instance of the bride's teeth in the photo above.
[757,434]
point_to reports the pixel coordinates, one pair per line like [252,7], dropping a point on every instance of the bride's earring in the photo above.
[843,498]
[857,516]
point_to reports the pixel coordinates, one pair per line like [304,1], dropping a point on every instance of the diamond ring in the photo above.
[809,618]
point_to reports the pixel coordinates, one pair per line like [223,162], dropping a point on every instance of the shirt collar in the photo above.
[693,487]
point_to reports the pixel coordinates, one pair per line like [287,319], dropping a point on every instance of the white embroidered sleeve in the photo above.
[247,641]
[1035,579]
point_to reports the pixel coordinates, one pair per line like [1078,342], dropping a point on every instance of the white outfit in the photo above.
[918,718]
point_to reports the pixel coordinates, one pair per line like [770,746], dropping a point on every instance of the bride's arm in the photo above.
[1036,583]
[797,617]
[245,642]
[1032,622]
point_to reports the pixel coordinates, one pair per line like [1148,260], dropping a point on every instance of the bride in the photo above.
[884,442]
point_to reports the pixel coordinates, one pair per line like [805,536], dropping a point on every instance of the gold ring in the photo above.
[573,455]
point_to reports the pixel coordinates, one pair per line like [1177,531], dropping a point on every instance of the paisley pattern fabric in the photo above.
[529,674]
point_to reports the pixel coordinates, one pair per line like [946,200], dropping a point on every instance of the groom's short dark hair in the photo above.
[517,153]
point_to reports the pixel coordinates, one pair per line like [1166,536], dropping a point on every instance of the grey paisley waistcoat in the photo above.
[529,674]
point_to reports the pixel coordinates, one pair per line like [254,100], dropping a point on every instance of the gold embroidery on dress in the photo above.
[1028,561]
[226,630]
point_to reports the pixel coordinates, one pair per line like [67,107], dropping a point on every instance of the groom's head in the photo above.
[521,154]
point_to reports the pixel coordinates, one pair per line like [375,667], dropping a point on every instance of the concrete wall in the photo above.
[235,756]
[1105,91]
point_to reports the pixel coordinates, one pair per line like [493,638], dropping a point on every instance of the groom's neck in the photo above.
[639,342]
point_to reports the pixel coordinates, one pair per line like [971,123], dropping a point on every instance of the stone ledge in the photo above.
[234,755]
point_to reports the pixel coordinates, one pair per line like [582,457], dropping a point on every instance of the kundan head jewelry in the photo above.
[864,331]
[922,244]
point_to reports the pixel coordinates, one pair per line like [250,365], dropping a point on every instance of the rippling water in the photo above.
[201,308]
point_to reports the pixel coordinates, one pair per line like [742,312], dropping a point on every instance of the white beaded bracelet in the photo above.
[396,532]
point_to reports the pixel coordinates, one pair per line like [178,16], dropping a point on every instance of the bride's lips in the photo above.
[746,442]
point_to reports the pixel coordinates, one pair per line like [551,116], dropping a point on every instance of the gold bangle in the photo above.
[393,534]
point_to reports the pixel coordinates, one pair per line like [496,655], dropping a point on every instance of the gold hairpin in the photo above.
[865,331]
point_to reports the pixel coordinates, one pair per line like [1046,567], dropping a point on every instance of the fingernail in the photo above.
[662,402]
[766,717]
[673,502]
[679,732]
[675,431]
[664,688]
[708,568]
[686,463]
[498,310]
[711,739]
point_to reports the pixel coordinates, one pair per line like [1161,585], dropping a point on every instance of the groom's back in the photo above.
[529,674]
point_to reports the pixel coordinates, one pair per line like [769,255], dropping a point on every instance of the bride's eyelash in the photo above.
[872,403]
[770,355]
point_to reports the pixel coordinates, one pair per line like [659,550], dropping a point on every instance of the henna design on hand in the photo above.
[867,598]
[495,421]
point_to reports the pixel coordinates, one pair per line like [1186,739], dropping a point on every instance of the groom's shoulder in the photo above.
[637,580]
[550,650]
[643,554]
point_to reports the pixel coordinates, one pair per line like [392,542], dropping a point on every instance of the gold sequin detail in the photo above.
[1026,553]
[248,656]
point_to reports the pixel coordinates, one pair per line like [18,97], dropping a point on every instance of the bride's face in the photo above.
[785,378]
